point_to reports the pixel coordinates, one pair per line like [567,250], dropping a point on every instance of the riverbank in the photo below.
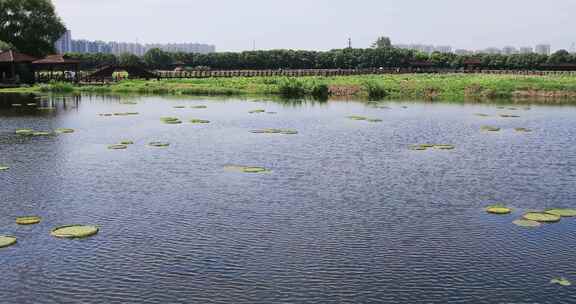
[449,87]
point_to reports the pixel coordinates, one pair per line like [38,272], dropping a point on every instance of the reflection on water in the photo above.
[347,214]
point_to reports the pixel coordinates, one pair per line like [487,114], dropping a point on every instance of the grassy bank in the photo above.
[451,87]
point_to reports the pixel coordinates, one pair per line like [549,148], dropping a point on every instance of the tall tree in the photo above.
[157,58]
[31,26]
[382,43]
[127,59]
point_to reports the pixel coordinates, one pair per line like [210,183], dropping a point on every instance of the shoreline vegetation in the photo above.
[442,87]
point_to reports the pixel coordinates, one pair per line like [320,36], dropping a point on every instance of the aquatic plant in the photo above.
[541,217]
[561,281]
[490,129]
[417,148]
[159,144]
[357,117]
[245,169]
[4,168]
[509,116]
[28,220]
[7,240]
[374,120]
[170,120]
[179,107]
[275,131]
[257,111]
[198,107]
[126,142]
[199,121]
[25,132]
[564,212]
[42,133]
[64,131]
[498,209]
[445,147]
[522,130]
[118,147]
[527,223]
[74,231]
[482,115]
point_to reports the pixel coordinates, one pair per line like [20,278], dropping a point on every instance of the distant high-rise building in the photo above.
[463,52]
[542,49]
[526,50]
[67,45]
[509,50]
[64,44]
[443,49]
[492,51]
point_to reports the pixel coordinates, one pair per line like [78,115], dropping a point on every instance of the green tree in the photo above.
[5,46]
[382,43]
[561,56]
[31,26]
[157,59]
[127,59]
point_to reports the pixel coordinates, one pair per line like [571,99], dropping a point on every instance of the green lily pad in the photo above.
[170,120]
[246,169]
[257,111]
[198,107]
[527,223]
[64,131]
[6,241]
[28,220]
[374,120]
[509,116]
[541,217]
[4,168]
[445,147]
[356,117]
[126,142]
[490,129]
[562,212]
[25,132]
[482,115]
[118,147]
[159,144]
[498,209]
[417,148]
[199,121]
[179,107]
[42,133]
[522,130]
[105,114]
[74,231]
[561,281]
[275,131]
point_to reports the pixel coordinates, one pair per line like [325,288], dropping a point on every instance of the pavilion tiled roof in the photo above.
[56,59]
[15,57]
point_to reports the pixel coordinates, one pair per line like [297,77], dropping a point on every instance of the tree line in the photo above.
[387,57]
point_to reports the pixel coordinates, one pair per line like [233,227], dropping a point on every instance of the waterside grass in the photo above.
[448,87]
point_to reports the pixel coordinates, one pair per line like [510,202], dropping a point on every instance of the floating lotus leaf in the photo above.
[105,114]
[561,281]
[74,231]
[4,168]
[159,144]
[498,209]
[509,116]
[563,212]
[541,217]
[28,220]
[522,130]
[288,132]
[527,223]
[121,114]
[427,145]
[25,132]
[275,131]
[132,113]
[246,169]
[417,148]
[118,147]
[6,241]
[126,142]
[482,115]
[356,117]
[257,111]
[170,120]
[179,107]
[199,121]
[64,131]
[490,129]
[271,113]
[445,147]
[198,107]
[374,120]
[129,102]
[41,133]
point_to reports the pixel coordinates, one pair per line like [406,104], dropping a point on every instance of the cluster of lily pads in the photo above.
[534,219]
[68,231]
[497,129]
[177,121]
[118,114]
[363,118]
[123,145]
[275,131]
[424,147]
[32,132]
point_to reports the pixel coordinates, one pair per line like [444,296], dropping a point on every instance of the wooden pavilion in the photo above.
[9,61]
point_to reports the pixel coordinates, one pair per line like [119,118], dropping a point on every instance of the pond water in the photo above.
[346,214]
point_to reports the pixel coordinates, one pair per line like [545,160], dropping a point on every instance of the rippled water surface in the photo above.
[347,213]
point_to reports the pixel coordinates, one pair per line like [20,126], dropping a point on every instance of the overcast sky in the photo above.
[232,25]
